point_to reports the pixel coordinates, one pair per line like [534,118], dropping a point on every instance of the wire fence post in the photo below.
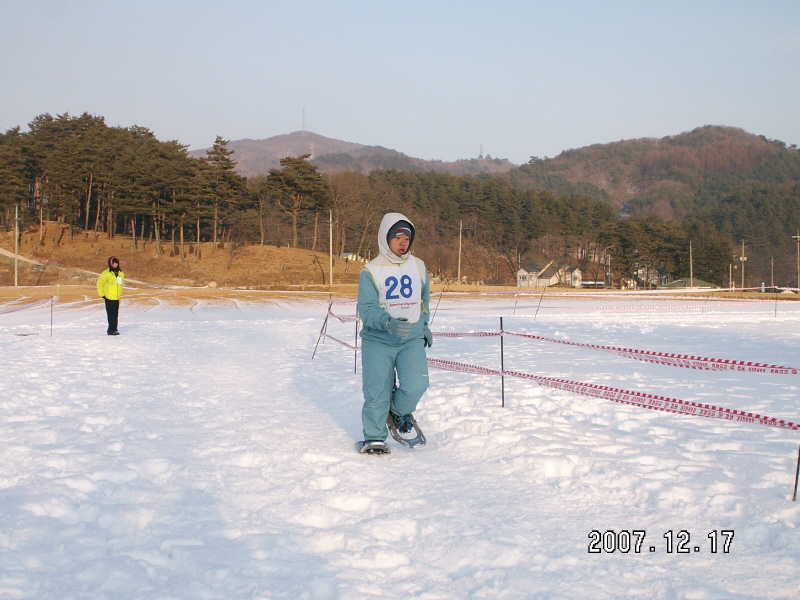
[502,369]
[324,328]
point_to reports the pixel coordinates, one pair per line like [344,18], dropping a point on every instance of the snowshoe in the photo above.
[404,425]
[373,447]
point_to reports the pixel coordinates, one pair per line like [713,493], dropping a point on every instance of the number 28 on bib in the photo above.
[399,289]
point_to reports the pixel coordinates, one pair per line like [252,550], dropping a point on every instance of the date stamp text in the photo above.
[637,541]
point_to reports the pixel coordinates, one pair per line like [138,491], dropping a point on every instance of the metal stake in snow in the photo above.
[502,369]
[433,316]
[796,473]
[537,308]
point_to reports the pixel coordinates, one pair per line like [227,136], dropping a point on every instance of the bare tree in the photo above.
[349,193]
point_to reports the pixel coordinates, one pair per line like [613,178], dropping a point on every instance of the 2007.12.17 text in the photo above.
[625,541]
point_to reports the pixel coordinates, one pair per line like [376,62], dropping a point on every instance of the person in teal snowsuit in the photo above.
[393,299]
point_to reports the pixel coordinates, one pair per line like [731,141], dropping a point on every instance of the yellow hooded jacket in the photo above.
[110,285]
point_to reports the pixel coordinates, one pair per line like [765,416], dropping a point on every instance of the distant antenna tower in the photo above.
[304,119]
[481,154]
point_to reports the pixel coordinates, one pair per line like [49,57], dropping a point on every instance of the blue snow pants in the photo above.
[379,362]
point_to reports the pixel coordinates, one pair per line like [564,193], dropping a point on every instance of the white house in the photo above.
[529,276]
[544,274]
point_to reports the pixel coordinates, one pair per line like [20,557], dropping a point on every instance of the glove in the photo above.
[428,335]
[399,327]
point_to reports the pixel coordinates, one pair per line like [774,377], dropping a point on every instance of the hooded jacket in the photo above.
[393,286]
[111,282]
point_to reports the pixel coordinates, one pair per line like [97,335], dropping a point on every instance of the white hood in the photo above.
[383,246]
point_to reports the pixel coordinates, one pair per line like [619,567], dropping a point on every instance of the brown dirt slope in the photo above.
[252,267]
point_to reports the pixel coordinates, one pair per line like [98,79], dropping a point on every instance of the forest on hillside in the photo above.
[95,179]
[746,186]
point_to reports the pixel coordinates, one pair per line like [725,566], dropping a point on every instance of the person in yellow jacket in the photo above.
[109,287]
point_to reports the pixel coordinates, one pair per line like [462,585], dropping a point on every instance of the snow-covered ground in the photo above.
[204,454]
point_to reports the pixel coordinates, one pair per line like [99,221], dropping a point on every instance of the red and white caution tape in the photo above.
[343,319]
[642,307]
[585,293]
[673,360]
[649,401]
[676,360]
[329,336]
[458,335]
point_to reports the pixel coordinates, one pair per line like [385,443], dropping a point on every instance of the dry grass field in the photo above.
[80,259]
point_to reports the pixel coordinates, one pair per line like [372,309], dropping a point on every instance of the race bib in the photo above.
[399,289]
[119,279]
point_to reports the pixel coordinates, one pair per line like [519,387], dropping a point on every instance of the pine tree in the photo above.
[223,184]
[300,188]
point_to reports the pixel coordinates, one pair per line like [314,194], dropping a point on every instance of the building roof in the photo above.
[550,271]
[685,283]
[536,266]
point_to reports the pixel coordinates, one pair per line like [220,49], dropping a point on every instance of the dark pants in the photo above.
[112,312]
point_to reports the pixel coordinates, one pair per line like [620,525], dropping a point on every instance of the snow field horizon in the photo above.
[203,454]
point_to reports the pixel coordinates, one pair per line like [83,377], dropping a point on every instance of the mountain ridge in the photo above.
[257,157]
[665,176]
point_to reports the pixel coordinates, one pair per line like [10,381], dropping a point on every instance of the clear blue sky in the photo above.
[433,79]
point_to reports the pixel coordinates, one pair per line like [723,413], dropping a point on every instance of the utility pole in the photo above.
[797,237]
[330,246]
[16,245]
[460,227]
[743,258]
